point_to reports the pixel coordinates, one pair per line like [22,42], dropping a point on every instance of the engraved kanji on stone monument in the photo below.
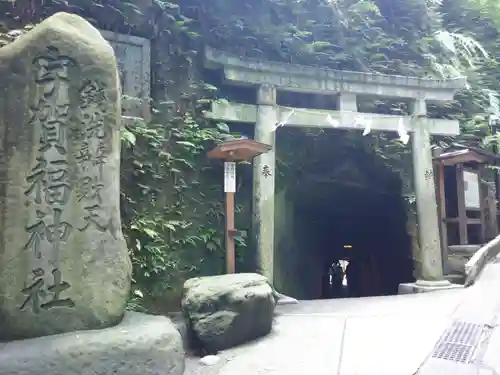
[64,264]
[48,180]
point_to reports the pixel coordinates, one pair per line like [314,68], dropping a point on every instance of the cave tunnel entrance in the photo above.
[349,210]
[365,228]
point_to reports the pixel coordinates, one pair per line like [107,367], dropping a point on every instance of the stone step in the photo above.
[458,256]
[463,249]
[455,278]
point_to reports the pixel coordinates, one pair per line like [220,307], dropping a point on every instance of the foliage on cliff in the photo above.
[171,196]
[407,37]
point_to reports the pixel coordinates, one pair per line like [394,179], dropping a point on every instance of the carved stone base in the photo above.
[423,286]
[140,344]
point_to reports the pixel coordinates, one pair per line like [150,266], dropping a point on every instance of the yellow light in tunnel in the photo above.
[347,246]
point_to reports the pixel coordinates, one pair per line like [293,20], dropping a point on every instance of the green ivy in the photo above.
[170,223]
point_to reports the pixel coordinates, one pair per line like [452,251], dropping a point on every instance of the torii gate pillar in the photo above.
[264,180]
[427,212]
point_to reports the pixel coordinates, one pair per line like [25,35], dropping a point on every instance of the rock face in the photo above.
[140,344]
[64,264]
[228,310]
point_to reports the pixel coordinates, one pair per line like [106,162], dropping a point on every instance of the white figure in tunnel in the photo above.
[335,279]
[343,264]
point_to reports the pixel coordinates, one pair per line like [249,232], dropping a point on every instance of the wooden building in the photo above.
[467,203]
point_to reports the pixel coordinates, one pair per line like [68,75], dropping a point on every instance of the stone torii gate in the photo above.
[343,87]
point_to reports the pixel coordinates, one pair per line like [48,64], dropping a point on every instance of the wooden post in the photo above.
[462,212]
[230,252]
[230,152]
[483,204]
[491,207]
[442,214]
[230,189]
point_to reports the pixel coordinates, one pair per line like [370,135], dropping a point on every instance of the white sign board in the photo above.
[471,187]
[229,177]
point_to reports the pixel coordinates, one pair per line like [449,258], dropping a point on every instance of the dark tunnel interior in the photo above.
[367,229]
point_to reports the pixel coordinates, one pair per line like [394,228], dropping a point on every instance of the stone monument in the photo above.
[64,264]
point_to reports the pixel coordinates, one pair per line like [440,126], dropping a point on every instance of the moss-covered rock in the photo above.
[227,310]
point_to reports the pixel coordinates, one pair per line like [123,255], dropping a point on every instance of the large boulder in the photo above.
[64,263]
[227,310]
[140,344]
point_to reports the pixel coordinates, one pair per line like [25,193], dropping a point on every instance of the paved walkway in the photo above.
[369,336]
[479,306]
